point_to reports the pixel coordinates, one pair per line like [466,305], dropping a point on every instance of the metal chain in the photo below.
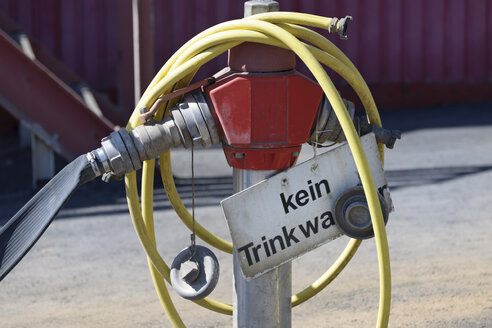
[193,234]
[315,145]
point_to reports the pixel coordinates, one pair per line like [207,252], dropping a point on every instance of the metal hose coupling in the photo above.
[327,127]
[190,123]
[339,26]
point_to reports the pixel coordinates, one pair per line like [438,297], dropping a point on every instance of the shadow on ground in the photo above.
[100,198]
[409,119]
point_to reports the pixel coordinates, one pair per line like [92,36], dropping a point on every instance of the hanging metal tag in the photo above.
[291,213]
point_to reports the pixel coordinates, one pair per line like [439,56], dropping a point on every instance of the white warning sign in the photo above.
[289,214]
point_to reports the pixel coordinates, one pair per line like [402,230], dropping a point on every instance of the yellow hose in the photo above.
[326,59]
[307,19]
[357,82]
[285,17]
[294,18]
[166,171]
[158,263]
[329,275]
[171,74]
[170,187]
[148,217]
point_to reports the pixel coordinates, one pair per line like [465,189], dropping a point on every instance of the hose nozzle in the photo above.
[340,26]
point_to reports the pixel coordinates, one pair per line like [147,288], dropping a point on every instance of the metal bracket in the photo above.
[146,115]
[384,136]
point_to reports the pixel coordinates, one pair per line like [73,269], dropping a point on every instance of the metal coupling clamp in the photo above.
[190,123]
[327,127]
[339,26]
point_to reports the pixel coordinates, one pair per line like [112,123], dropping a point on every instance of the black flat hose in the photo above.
[22,231]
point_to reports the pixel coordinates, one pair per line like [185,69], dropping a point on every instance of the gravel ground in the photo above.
[89,270]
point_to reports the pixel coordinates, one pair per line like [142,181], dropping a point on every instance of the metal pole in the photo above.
[136,50]
[263,301]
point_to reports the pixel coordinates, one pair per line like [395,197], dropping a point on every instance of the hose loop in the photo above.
[178,72]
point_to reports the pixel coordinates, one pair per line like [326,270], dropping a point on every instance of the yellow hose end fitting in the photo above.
[340,26]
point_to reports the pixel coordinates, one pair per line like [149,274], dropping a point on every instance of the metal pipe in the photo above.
[263,301]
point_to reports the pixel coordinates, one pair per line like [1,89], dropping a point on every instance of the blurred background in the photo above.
[72,70]
[88,61]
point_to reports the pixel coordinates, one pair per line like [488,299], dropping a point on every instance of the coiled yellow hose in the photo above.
[179,70]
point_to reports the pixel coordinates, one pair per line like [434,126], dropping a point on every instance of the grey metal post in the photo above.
[263,301]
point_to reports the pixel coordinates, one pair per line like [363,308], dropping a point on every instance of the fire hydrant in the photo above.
[262,110]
